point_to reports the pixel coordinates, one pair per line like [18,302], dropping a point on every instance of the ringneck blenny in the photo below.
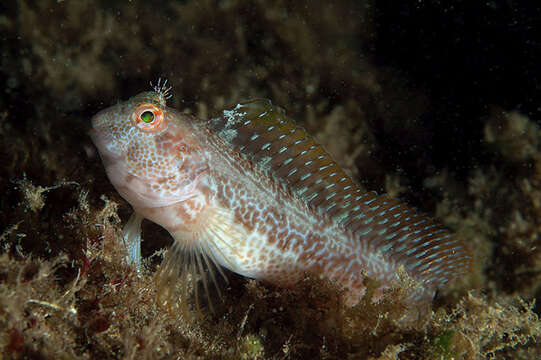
[254,193]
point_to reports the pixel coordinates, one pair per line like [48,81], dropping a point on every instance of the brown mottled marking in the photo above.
[253,192]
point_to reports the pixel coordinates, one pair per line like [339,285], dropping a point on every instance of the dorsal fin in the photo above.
[265,134]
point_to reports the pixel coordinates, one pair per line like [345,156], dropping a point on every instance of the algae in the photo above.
[65,290]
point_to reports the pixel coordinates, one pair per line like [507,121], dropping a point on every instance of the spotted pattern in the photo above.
[369,234]
[263,199]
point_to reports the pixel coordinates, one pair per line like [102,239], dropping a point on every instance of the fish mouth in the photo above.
[101,140]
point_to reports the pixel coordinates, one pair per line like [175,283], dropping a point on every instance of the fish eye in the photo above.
[148,117]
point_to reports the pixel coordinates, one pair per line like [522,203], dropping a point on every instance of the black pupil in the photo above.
[147,116]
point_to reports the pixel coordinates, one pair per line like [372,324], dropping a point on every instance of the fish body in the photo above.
[254,193]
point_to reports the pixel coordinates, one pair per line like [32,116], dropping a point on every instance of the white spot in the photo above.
[228,134]
[333,204]
[365,231]
[265,163]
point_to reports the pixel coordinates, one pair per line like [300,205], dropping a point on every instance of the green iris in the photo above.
[147,116]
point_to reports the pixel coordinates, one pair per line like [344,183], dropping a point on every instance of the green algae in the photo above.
[442,346]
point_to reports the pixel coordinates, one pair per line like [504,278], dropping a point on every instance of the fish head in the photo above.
[150,151]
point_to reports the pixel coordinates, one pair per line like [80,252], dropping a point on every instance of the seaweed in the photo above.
[65,289]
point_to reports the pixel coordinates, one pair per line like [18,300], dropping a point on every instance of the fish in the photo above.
[252,192]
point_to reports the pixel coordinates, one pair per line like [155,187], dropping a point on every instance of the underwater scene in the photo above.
[270,179]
